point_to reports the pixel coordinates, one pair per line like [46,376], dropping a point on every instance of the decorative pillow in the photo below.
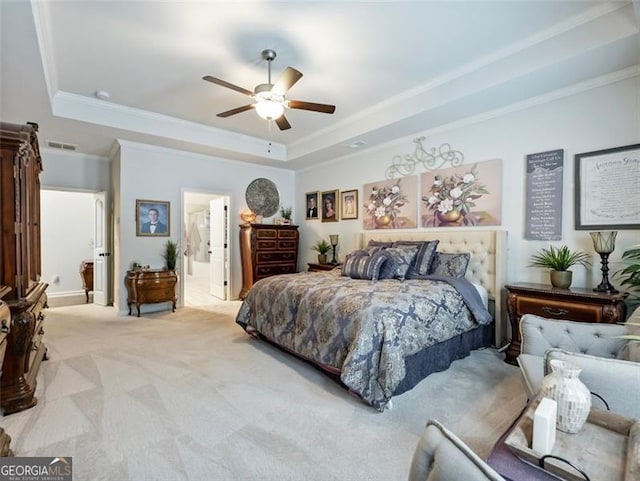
[349,261]
[451,265]
[403,256]
[375,243]
[389,267]
[424,256]
[363,267]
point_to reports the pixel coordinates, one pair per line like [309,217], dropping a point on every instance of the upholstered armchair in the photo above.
[610,367]
[442,456]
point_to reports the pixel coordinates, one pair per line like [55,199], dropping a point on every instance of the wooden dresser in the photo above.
[151,286]
[20,169]
[5,322]
[576,304]
[267,250]
[86,273]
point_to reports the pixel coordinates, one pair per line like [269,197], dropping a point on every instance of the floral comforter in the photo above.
[361,329]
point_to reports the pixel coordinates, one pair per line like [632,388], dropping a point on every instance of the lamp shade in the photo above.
[604,242]
[269,110]
[334,239]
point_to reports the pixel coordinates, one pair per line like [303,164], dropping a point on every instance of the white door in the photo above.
[100,250]
[218,248]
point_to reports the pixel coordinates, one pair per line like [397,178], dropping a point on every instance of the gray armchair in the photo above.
[442,456]
[605,360]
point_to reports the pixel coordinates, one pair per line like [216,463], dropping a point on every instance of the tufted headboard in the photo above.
[487,266]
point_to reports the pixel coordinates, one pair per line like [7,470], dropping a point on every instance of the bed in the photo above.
[383,337]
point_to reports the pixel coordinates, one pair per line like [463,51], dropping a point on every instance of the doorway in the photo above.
[205,248]
[74,235]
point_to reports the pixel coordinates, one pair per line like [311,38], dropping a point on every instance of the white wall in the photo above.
[155,173]
[597,119]
[74,171]
[67,221]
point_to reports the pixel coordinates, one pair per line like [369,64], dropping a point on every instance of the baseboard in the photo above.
[71,298]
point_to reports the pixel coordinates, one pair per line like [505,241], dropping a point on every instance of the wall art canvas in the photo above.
[391,204]
[467,195]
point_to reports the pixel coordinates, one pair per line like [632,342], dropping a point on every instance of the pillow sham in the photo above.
[350,262]
[449,264]
[403,256]
[424,256]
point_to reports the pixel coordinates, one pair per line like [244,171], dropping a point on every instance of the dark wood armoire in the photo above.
[20,168]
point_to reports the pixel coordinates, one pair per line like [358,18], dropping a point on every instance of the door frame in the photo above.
[183,234]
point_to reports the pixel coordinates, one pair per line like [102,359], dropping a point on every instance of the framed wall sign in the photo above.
[606,189]
[152,218]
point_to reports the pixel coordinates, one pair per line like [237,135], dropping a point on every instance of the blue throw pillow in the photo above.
[423,258]
[389,268]
[403,256]
[363,266]
[451,265]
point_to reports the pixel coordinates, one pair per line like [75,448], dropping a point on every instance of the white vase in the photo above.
[572,396]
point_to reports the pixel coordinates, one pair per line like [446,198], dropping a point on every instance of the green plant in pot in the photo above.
[630,274]
[285,212]
[559,260]
[322,247]
[170,254]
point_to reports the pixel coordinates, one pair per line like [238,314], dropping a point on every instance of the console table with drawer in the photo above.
[575,304]
[267,250]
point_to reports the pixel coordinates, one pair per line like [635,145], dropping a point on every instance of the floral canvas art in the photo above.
[391,204]
[462,196]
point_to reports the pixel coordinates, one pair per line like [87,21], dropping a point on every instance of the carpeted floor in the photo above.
[189,396]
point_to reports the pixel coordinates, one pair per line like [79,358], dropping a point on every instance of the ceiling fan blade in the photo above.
[288,78]
[283,123]
[238,110]
[223,83]
[299,104]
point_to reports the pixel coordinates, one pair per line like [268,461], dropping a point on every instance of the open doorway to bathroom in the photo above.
[205,247]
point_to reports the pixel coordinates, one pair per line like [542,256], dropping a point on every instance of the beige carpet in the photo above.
[189,396]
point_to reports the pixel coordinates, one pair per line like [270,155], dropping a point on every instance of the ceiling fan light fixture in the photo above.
[269,110]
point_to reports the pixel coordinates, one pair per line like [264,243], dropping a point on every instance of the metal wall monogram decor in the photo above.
[430,159]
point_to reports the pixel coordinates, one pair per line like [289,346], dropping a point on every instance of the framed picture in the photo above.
[349,203]
[606,189]
[330,206]
[152,218]
[311,202]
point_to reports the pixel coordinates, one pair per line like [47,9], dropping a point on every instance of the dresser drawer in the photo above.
[288,234]
[263,271]
[266,234]
[266,257]
[287,244]
[575,311]
[266,245]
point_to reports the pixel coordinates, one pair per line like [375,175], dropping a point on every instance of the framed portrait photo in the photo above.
[312,203]
[606,189]
[152,218]
[349,203]
[329,206]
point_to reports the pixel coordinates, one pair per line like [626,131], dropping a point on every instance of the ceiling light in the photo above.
[103,95]
[269,110]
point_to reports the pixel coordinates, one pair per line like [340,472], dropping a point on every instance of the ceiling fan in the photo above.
[270,100]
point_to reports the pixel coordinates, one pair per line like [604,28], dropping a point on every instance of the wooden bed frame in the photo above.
[487,266]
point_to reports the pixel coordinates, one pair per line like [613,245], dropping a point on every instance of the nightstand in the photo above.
[313,267]
[575,304]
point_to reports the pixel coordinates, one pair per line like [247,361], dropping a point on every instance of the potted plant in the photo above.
[170,254]
[630,275]
[322,247]
[285,212]
[559,260]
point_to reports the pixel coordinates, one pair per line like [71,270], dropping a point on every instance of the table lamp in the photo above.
[334,242]
[604,244]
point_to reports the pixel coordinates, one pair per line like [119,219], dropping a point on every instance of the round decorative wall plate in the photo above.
[262,197]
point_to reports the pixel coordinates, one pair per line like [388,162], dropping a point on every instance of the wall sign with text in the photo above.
[544,195]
